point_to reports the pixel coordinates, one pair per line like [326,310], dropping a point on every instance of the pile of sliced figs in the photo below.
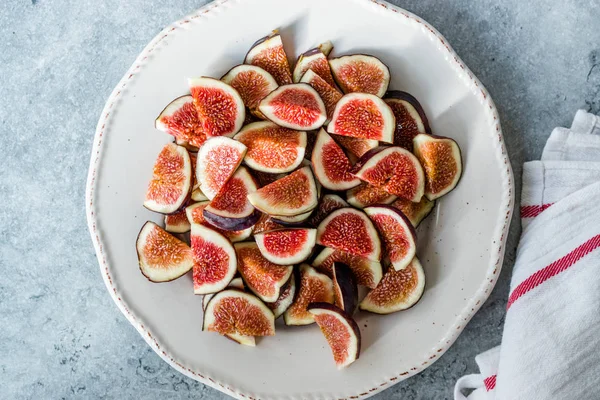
[296,187]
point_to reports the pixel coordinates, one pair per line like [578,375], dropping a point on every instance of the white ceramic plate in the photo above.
[461,245]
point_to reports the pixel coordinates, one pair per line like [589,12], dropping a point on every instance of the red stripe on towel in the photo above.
[490,383]
[533,211]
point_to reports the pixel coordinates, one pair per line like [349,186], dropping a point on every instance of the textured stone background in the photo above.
[61,336]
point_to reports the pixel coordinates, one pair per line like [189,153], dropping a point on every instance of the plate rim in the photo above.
[452,333]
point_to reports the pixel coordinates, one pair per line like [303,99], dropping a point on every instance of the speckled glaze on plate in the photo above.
[461,245]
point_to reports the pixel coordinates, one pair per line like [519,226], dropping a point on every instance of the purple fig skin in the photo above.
[344,315]
[409,98]
[232,224]
[344,283]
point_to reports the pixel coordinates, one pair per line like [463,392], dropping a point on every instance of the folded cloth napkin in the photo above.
[551,342]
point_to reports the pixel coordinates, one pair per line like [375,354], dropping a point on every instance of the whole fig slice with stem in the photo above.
[220,107]
[264,278]
[286,297]
[366,195]
[352,231]
[162,257]
[415,212]
[230,209]
[345,289]
[287,246]
[329,94]
[361,73]
[291,221]
[328,204]
[356,146]
[236,283]
[315,60]
[215,262]
[296,106]
[363,116]
[271,148]
[340,331]
[234,313]
[195,214]
[398,235]
[217,161]
[252,83]
[367,272]
[442,162]
[291,195]
[398,290]
[180,119]
[410,118]
[177,223]
[395,170]
[331,165]
[313,287]
[268,53]
[171,182]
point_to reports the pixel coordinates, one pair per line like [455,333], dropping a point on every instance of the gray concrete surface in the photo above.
[61,336]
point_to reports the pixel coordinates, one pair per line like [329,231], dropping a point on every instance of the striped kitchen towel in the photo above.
[551,342]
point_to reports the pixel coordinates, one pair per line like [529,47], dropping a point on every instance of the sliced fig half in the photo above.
[345,289]
[313,287]
[361,73]
[217,161]
[215,262]
[220,107]
[352,231]
[262,277]
[291,195]
[366,195]
[162,257]
[398,234]
[268,53]
[252,83]
[195,214]
[286,297]
[367,272]
[180,119]
[340,330]
[230,209]
[364,116]
[331,165]
[296,106]
[271,148]
[287,246]
[328,204]
[171,181]
[356,146]
[442,162]
[393,169]
[410,118]
[329,94]
[234,313]
[236,283]
[177,223]
[415,212]
[398,290]
[315,60]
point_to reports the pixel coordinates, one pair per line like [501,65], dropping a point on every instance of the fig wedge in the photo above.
[171,181]
[177,223]
[442,162]
[215,262]
[268,53]
[195,214]
[356,146]
[265,224]
[236,283]
[366,195]
[291,195]
[261,276]
[415,212]
[313,287]
[271,148]
[394,170]
[286,297]
[367,272]
[398,235]
[331,165]
[296,106]
[410,118]
[352,231]
[363,116]
[361,73]
[326,47]
[340,330]
[398,290]
[230,209]
[328,204]
[287,246]
[252,83]
[315,60]
[197,195]
[180,119]
[220,107]
[345,290]
[329,94]
[162,257]
[217,161]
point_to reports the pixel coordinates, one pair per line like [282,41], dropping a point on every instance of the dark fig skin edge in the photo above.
[344,315]
[366,157]
[409,98]
[411,228]
[345,283]
[274,33]
[232,224]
